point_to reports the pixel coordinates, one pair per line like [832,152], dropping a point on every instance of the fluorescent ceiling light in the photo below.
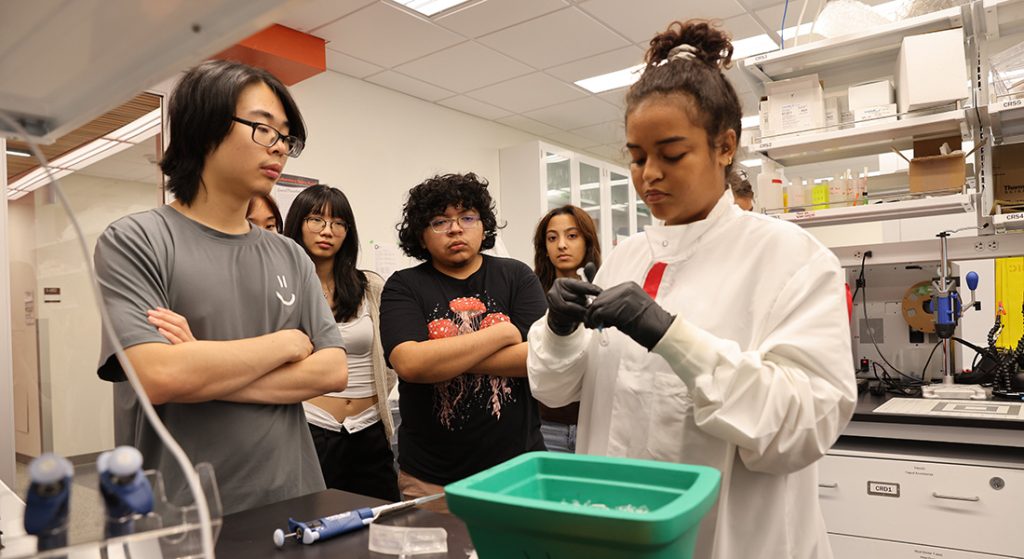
[18,152]
[430,7]
[612,80]
[131,134]
[751,163]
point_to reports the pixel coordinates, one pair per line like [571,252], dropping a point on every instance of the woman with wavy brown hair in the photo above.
[565,240]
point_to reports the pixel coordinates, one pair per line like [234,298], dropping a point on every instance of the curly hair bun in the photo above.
[711,45]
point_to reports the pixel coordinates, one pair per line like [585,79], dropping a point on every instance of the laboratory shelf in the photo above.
[1002,18]
[804,59]
[815,147]
[922,207]
[1006,117]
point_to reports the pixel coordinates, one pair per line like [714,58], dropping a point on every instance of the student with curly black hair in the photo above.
[453,328]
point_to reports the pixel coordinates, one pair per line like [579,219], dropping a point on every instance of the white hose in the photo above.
[799,22]
[205,525]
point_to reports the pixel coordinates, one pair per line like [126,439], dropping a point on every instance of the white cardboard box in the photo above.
[870,94]
[795,105]
[931,70]
[870,116]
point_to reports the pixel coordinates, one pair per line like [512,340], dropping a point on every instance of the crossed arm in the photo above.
[498,350]
[276,368]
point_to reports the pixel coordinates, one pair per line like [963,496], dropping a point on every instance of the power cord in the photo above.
[862,287]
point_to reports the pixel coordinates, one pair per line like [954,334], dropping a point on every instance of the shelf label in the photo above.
[883,489]
[1019,216]
[764,145]
[803,215]
[1011,103]
[760,58]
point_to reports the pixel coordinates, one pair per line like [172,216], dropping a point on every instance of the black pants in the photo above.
[359,462]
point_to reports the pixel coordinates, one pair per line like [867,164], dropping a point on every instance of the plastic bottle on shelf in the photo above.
[820,195]
[795,201]
[837,191]
[862,187]
[769,190]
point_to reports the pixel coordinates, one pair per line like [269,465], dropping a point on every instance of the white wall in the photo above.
[6,383]
[69,331]
[27,426]
[376,144]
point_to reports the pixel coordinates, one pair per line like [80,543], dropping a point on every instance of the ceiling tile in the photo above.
[525,124]
[743,27]
[408,37]
[311,14]
[527,93]
[555,39]
[464,67]
[612,132]
[754,5]
[640,24]
[600,64]
[409,86]
[572,140]
[474,107]
[616,97]
[486,17]
[345,64]
[576,114]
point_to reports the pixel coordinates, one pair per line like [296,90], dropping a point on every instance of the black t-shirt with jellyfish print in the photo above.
[457,428]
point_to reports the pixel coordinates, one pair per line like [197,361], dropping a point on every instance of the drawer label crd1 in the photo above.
[883,489]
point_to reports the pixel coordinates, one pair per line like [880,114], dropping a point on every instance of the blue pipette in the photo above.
[327,527]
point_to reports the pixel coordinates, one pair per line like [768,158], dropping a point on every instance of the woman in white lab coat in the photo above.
[720,338]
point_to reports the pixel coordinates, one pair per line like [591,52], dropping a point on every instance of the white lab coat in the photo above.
[754,377]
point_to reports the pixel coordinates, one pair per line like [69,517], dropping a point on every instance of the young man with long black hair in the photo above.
[268,340]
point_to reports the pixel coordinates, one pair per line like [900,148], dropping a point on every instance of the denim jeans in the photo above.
[558,437]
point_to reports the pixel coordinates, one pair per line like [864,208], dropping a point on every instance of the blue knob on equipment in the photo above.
[125,489]
[46,505]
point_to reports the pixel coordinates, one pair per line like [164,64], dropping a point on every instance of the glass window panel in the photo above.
[620,207]
[559,182]
[643,215]
[590,191]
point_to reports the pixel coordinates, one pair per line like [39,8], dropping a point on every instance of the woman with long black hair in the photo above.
[351,429]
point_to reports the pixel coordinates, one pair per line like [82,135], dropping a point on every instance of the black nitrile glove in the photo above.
[567,304]
[630,309]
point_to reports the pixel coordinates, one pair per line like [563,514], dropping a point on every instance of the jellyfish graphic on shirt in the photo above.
[455,398]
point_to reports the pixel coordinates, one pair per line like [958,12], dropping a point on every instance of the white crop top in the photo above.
[358,337]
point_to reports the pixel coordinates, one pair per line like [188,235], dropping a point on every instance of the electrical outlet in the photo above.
[979,246]
[993,245]
[857,255]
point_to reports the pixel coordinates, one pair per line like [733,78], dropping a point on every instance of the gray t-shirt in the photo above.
[228,287]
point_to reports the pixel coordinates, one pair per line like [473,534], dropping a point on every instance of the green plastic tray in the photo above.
[535,506]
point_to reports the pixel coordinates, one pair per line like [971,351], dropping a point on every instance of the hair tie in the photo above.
[680,52]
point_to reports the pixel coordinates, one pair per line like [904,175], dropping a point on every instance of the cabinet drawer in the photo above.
[852,547]
[944,505]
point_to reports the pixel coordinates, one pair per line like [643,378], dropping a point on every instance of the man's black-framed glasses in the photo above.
[266,136]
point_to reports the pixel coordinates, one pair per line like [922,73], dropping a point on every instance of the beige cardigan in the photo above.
[383,377]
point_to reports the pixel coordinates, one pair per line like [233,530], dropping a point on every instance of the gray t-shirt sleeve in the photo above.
[317,319]
[132,281]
